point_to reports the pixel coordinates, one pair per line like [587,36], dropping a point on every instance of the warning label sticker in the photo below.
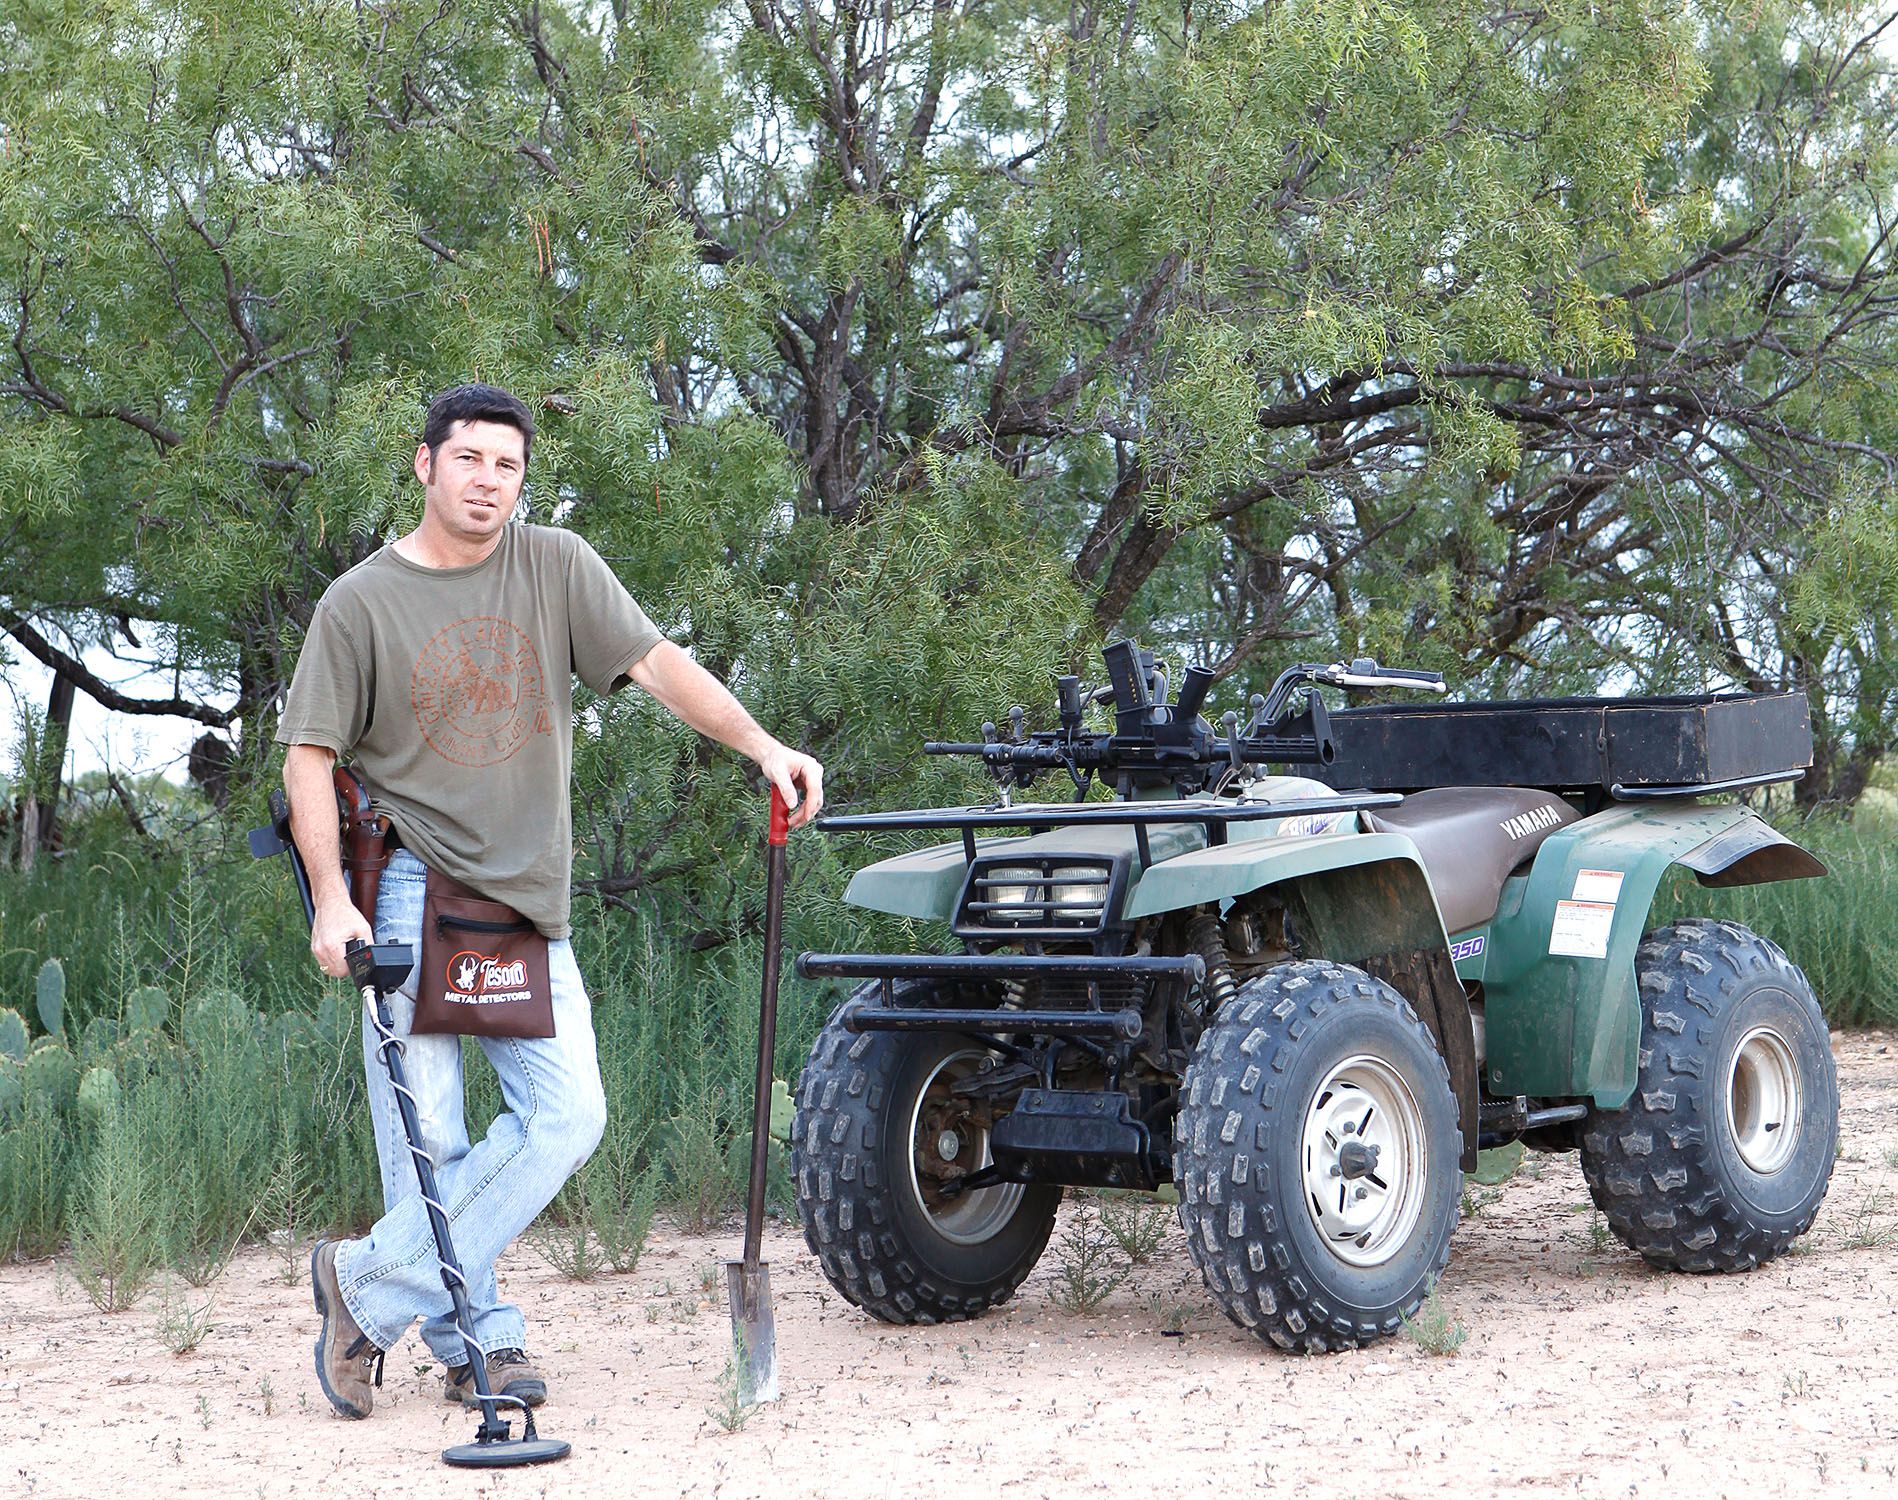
[1601,886]
[1581,929]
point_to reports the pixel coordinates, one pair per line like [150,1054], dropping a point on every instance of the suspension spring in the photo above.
[1204,937]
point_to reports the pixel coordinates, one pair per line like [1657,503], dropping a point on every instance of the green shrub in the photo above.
[1837,928]
[117,1227]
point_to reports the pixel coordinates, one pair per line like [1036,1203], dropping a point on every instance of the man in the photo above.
[443,665]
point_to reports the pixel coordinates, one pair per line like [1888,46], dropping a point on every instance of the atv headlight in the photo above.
[999,889]
[1081,898]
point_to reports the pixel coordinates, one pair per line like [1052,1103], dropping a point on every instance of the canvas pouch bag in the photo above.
[484,967]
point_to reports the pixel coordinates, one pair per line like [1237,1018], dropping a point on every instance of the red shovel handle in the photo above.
[780,818]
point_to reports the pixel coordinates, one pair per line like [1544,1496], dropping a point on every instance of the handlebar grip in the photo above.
[780,818]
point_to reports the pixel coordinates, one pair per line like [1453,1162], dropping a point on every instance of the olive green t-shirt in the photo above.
[452,690]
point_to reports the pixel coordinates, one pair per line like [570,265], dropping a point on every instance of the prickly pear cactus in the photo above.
[12,1035]
[51,1075]
[12,1088]
[216,1018]
[100,1037]
[99,1093]
[50,990]
[147,1009]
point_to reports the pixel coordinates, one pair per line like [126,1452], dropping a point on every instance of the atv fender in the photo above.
[1562,1015]
[1358,898]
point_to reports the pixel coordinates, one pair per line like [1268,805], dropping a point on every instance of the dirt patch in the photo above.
[1583,1372]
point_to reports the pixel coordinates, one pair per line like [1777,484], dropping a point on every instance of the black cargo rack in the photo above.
[1213,813]
[1626,748]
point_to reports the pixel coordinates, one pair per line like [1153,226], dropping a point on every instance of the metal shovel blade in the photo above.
[754,1331]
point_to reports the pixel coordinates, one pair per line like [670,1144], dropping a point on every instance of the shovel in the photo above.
[748,1281]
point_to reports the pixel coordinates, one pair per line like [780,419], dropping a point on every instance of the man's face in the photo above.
[470,482]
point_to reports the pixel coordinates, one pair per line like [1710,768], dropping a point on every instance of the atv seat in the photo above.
[1471,838]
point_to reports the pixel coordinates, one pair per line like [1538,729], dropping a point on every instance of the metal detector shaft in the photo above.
[452,1278]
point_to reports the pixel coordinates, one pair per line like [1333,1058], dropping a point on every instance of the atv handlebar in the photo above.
[1155,742]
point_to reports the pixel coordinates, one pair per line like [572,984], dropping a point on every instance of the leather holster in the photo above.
[365,843]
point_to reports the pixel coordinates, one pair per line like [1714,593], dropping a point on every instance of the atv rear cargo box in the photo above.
[1627,747]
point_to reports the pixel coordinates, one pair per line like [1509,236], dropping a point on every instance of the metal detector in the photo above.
[382,967]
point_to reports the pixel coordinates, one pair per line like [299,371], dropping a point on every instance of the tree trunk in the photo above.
[39,824]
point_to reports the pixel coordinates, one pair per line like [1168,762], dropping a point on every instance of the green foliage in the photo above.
[12,1035]
[1837,928]
[183,1321]
[1495,1167]
[117,1239]
[1136,1224]
[1087,1269]
[601,1219]
[51,1076]
[703,1173]
[735,1402]
[37,1151]
[99,1093]
[1435,1329]
[50,992]
[147,1008]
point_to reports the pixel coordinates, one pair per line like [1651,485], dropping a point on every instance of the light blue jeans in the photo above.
[556,1110]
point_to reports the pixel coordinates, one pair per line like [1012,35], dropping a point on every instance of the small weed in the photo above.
[569,1246]
[734,1405]
[1173,1317]
[1434,1329]
[1891,1158]
[181,1325]
[1865,1232]
[1792,1386]
[1087,1271]
[709,1278]
[1475,1200]
[269,1394]
[1136,1225]
[1596,1237]
[204,1412]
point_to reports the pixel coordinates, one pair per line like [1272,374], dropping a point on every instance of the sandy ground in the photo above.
[1583,1373]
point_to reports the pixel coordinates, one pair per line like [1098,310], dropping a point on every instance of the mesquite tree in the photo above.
[895,353]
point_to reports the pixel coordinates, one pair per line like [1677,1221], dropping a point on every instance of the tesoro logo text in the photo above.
[480,973]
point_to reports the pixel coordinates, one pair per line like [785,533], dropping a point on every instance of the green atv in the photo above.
[1307,1002]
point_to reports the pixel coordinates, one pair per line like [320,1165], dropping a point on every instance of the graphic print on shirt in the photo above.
[479,692]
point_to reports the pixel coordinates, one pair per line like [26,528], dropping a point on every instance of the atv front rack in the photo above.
[1213,814]
[1122,1024]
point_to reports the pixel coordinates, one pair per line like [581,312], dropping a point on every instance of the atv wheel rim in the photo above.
[1763,1099]
[1364,1161]
[947,1142]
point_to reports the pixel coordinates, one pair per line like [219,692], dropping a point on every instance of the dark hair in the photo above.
[476,403]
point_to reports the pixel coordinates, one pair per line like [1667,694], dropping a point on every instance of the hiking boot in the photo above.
[348,1364]
[511,1372]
